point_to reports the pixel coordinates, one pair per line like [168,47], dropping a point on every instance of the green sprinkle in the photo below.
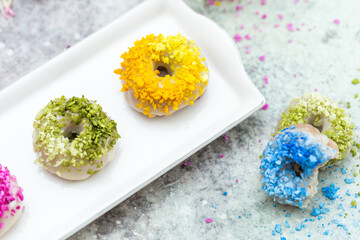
[355,174]
[356,96]
[355,81]
[353,151]
[348,104]
[353,203]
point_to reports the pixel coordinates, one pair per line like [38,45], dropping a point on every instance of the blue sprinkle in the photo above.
[348,193]
[274,205]
[343,170]
[356,224]
[273,233]
[320,217]
[312,220]
[213,206]
[287,215]
[326,232]
[323,180]
[278,228]
[325,210]
[356,195]
[330,192]
[321,205]
[298,228]
[309,235]
[225,193]
[292,127]
[282,238]
[287,225]
[239,217]
[349,180]
[316,212]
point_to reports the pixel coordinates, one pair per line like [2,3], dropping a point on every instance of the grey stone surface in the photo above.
[318,55]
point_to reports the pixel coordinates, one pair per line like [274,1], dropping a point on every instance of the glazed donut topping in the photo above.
[7,193]
[184,82]
[97,136]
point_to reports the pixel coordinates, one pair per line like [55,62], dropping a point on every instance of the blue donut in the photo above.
[290,164]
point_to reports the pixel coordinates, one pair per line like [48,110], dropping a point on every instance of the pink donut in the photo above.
[11,200]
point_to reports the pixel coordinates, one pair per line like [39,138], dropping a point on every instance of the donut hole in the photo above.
[72,131]
[317,122]
[297,169]
[163,69]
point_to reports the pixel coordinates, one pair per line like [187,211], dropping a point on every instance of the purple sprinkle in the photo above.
[221,156]
[265,106]
[187,163]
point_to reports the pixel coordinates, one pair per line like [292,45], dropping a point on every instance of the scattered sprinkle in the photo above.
[349,180]
[209,220]
[221,156]
[247,36]
[265,106]
[187,163]
[262,58]
[337,21]
[315,212]
[280,16]
[343,170]
[237,37]
[330,192]
[266,79]
[355,81]
[225,193]
[278,228]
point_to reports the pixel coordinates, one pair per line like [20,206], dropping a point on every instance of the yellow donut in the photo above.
[162,74]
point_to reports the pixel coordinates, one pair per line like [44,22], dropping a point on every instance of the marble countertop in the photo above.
[308,46]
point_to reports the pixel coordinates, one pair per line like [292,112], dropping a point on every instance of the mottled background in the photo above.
[309,45]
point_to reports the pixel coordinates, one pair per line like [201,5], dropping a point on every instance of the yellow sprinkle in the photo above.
[217,3]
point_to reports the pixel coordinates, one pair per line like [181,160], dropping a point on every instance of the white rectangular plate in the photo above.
[148,148]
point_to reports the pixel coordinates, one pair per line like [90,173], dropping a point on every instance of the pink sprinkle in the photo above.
[263,2]
[290,41]
[257,13]
[237,37]
[10,11]
[290,27]
[266,79]
[294,75]
[241,27]
[276,25]
[226,137]
[259,140]
[247,52]
[265,106]
[211,2]
[247,36]
[264,16]
[315,90]
[1,225]
[237,181]
[297,29]
[262,58]
[209,220]
[238,8]
[68,46]
[280,16]
[337,21]
[187,163]
[221,156]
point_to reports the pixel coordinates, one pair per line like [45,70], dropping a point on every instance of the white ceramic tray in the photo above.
[148,148]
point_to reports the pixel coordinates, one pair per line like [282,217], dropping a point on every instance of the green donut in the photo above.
[73,138]
[324,114]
